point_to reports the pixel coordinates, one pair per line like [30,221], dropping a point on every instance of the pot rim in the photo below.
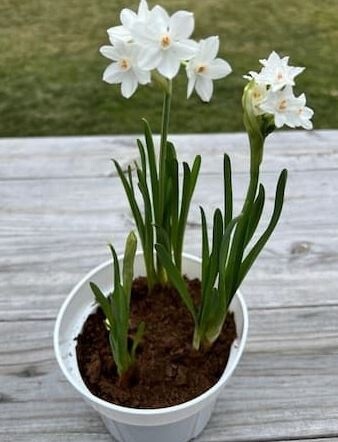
[145,411]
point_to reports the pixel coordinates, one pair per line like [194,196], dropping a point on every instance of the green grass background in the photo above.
[50,67]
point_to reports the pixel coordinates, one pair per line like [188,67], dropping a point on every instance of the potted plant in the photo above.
[152,353]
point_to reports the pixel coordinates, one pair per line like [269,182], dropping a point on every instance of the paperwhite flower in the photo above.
[165,40]
[287,109]
[204,67]
[275,72]
[128,19]
[124,68]
[258,95]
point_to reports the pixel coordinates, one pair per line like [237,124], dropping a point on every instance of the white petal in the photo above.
[209,48]
[191,85]
[307,124]
[185,49]
[295,71]
[128,85]
[181,25]
[143,77]
[150,57]
[273,58]
[127,17]
[279,120]
[144,35]
[307,112]
[169,65]
[112,74]
[204,88]
[301,100]
[110,52]
[218,69]
[143,10]
[159,16]
[118,33]
[290,120]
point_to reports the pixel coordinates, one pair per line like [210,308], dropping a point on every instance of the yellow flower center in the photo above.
[282,105]
[165,41]
[201,69]
[280,76]
[124,64]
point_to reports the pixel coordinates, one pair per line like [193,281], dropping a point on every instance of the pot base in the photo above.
[182,431]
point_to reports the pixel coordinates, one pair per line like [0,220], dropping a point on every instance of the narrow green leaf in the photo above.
[130,177]
[143,157]
[132,202]
[227,190]
[163,237]
[174,198]
[152,169]
[279,199]
[217,232]
[224,249]
[194,174]
[176,278]
[256,213]
[116,266]
[211,271]
[128,263]
[103,301]
[148,245]
[205,246]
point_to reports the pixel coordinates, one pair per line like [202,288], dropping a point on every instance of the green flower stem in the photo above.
[253,127]
[256,139]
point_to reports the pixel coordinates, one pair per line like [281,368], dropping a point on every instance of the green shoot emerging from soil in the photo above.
[116,308]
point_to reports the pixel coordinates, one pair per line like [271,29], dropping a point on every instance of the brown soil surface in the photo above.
[168,371]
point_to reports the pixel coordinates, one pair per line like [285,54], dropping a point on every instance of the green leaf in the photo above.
[163,237]
[116,266]
[148,244]
[143,157]
[152,168]
[128,263]
[132,202]
[211,272]
[130,177]
[227,190]
[189,184]
[255,215]
[103,301]
[217,232]
[279,199]
[194,173]
[173,167]
[205,246]
[176,278]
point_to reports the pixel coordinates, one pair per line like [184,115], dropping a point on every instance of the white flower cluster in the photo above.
[273,93]
[151,39]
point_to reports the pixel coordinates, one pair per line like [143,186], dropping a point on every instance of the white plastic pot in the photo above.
[178,423]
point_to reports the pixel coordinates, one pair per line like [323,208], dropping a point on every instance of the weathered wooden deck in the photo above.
[60,203]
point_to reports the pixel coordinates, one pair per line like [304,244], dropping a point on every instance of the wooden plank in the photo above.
[90,156]
[60,228]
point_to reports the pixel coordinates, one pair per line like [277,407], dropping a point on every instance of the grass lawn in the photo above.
[50,67]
